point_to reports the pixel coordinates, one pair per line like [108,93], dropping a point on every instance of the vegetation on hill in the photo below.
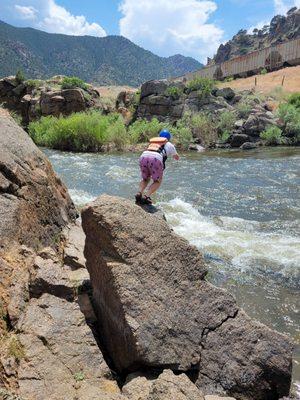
[105,61]
[281,29]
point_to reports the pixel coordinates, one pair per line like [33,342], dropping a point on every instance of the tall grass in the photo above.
[79,132]
[290,117]
[142,130]
[272,136]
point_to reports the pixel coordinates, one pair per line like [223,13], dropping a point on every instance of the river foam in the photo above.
[237,243]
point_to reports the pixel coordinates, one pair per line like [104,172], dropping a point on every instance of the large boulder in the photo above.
[155,308]
[227,93]
[257,123]
[155,87]
[62,102]
[34,203]
[237,139]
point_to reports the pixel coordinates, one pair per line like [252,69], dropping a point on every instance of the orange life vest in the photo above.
[157,144]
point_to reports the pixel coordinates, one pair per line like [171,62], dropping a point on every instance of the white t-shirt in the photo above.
[170,150]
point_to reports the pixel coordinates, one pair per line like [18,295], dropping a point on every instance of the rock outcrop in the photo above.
[33,99]
[156,310]
[169,101]
[281,29]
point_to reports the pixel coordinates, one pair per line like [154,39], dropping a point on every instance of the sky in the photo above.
[166,27]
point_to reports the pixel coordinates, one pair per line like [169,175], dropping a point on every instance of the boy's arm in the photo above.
[176,157]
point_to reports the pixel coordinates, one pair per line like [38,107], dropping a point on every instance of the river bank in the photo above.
[239,208]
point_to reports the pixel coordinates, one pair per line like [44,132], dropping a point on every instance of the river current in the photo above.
[241,209]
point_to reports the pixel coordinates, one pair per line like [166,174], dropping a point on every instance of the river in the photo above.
[241,209]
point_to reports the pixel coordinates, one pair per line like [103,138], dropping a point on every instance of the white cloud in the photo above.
[49,16]
[59,20]
[171,26]
[282,6]
[26,12]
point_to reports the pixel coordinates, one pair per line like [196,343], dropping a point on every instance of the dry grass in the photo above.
[3,112]
[112,92]
[267,83]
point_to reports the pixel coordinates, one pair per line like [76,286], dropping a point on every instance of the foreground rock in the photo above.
[62,359]
[156,310]
[48,345]
[34,204]
[166,387]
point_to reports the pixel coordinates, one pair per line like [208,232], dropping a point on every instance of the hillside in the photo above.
[111,60]
[281,29]
[270,82]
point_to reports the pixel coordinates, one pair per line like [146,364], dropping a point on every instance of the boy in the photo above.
[152,165]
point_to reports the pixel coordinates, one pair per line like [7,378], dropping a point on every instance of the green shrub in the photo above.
[224,137]
[72,82]
[226,122]
[34,83]
[20,77]
[142,130]
[203,85]
[182,135]
[272,135]
[202,127]
[243,109]
[79,131]
[294,99]
[264,71]
[290,116]
[174,92]
[79,376]
[229,79]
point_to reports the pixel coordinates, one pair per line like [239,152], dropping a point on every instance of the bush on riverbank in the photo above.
[272,136]
[290,118]
[92,131]
[294,100]
[142,130]
[79,132]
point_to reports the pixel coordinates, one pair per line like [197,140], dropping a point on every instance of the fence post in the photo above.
[256,81]
[283,80]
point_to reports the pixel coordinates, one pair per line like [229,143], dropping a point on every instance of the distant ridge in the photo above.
[111,60]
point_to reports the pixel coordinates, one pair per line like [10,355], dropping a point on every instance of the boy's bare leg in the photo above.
[154,187]
[143,185]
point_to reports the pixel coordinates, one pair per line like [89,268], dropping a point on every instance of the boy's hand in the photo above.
[176,157]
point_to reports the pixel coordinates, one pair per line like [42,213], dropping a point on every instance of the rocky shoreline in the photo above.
[140,322]
[201,117]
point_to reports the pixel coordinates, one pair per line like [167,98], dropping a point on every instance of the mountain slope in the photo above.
[108,60]
[281,29]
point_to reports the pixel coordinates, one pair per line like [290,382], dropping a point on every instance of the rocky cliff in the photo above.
[156,310]
[281,29]
[36,98]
